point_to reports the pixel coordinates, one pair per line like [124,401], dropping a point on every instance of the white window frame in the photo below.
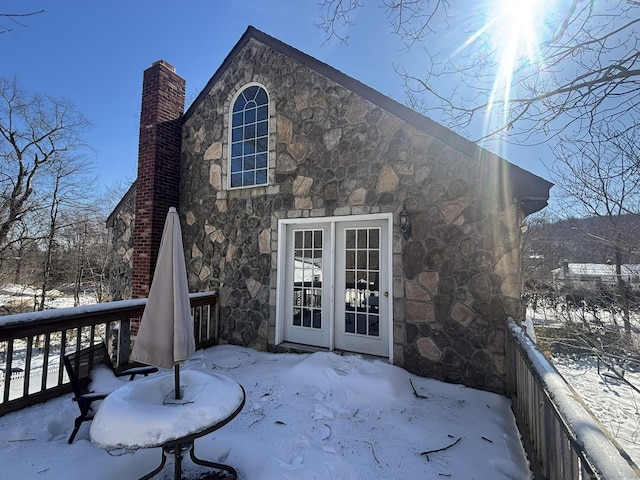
[230,137]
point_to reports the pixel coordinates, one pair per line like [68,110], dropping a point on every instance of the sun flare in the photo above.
[513,30]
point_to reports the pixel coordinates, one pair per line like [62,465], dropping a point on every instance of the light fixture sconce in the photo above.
[405,226]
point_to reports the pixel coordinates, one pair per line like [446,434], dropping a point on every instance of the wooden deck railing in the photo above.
[32,344]
[562,438]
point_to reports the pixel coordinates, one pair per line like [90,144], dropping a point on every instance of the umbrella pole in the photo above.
[176,370]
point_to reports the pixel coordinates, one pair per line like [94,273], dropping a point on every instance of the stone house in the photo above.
[328,216]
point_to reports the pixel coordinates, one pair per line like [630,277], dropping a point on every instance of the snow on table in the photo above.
[144,413]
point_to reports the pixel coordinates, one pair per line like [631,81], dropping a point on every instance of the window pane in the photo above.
[237,119]
[261,97]
[249,132]
[239,105]
[361,327]
[249,147]
[362,239]
[297,297]
[236,180]
[250,115]
[261,177]
[262,144]
[263,128]
[248,178]
[350,277]
[250,162]
[350,259]
[261,160]
[236,134]
[349,323]
[308,239]
[374,238]
[351,239]
[250,93]
[373,260]
[374,325]
[362,259]
[263,112]
[236,165]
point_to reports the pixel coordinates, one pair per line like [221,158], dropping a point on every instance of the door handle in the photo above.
[386,294]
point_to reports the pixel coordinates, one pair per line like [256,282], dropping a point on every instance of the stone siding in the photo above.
[121,225]
[332,152]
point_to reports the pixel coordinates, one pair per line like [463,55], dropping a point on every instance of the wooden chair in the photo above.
[79,365]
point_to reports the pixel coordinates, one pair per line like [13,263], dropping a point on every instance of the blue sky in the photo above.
[94,53]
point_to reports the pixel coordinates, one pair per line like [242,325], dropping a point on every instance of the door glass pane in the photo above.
[362,239]
[350,260]
[362,274]
[362,259]
[307,279]
[350,240]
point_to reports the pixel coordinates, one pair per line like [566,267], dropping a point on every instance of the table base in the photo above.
[177,451]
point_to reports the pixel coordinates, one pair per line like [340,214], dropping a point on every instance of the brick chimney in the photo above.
[163,94]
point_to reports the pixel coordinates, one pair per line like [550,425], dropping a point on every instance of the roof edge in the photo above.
[118,207]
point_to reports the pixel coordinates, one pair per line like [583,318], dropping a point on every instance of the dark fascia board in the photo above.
[527,186]
[125,197]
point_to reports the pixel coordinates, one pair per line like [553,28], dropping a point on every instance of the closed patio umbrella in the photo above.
[165,337]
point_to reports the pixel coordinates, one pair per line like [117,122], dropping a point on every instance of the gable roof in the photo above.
[532,190]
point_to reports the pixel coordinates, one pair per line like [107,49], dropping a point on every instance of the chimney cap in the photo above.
[164,64]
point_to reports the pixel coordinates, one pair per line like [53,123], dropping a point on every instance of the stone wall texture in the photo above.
[121,225]
[332,152]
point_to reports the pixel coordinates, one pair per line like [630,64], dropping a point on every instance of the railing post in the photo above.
[124,341]
[216,319]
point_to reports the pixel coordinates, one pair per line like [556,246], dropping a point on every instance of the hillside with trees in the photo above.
[548,243]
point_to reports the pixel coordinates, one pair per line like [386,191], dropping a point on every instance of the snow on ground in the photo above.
[13,296]
[615,404]
[314,416]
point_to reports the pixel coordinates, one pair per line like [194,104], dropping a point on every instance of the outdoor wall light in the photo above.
[405,226]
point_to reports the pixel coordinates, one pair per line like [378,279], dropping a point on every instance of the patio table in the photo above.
[145,414]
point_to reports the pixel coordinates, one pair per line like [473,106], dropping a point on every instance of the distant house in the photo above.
[328,216]
[590,274]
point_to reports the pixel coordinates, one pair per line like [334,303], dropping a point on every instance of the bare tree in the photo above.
[68,191]
[8,21]
[602,179]
[84,241]
[531,68]
[36,132]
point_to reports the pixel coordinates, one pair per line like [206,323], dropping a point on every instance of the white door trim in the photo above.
[281,269]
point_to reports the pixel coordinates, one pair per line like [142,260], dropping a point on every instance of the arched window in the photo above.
[250,138]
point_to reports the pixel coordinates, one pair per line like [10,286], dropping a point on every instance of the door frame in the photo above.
[281,270]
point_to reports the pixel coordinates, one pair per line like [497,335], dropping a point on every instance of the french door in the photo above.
[335,280]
